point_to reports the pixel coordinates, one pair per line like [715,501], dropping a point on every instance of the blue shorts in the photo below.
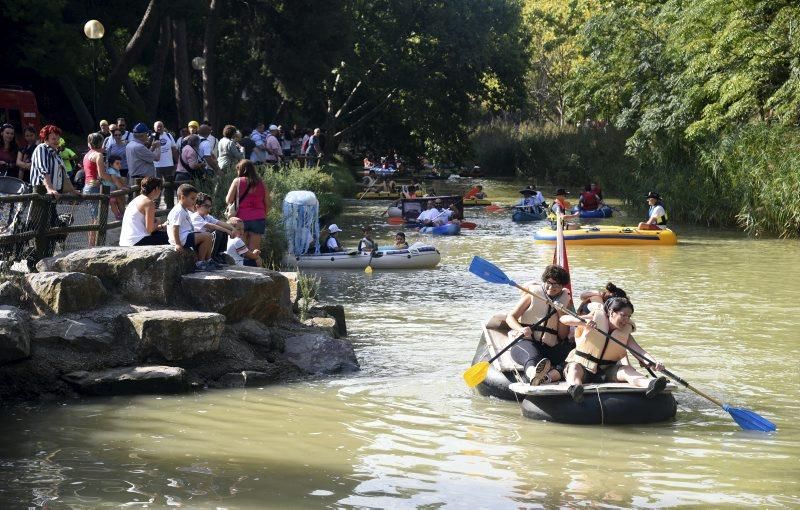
[189,244]
[93,204]
[255,226]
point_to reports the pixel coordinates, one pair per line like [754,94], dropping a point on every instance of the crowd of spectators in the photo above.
[116,158]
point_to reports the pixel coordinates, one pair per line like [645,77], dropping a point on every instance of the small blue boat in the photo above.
[603,212]
[523,215]
[450,229]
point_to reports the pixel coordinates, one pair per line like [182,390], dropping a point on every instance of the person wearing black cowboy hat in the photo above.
[561,207]
[657,215]
[531,198]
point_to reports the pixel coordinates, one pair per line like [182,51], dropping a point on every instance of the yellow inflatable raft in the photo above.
[609,235]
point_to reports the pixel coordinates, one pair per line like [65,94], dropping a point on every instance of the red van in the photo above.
[18,108]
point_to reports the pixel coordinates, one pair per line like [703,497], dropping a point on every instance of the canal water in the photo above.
[719,309]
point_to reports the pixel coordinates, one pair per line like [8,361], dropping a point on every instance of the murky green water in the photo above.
[405,432]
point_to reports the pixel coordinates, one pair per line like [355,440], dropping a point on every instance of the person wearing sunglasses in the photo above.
[8,151]
[546,342]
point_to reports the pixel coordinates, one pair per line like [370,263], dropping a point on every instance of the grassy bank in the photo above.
[750,178]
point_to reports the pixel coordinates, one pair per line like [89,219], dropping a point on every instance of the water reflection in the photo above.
[405,432]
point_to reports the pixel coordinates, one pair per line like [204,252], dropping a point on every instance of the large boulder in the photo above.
[239,293]
[10,294]
[81,333]
[291,276]
[57,293]
[318,353]
[15,343]
[142,274]
[129,380]
[175,334]
[256,333]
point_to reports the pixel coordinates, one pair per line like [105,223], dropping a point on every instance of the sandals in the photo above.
[655,387]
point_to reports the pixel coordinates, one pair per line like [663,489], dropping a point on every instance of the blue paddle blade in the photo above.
[749,420]
[488,271]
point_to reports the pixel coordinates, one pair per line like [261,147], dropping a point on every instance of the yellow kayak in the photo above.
[609,235]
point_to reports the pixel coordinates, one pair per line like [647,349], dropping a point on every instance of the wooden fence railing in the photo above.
[31,227]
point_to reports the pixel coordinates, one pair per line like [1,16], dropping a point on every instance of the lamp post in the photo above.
[94,30]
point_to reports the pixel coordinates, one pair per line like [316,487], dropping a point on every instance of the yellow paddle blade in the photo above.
[475,374]
[368,269]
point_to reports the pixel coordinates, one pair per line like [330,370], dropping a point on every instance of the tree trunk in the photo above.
[78,105]
[133,50]
[157,69]
[184,95]
[137,103]
[209,54]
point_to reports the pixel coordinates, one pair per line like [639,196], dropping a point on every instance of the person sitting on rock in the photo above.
[181,231]
[139,225]
[204,222]
[236,247]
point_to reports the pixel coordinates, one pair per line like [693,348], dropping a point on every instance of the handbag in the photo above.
[233,209]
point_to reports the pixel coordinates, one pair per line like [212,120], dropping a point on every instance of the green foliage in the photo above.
[567,156]
[761,165]
[307,287]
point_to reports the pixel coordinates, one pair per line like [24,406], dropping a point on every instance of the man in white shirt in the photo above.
[259,137]
[165,166]
[332,244]
[440,215]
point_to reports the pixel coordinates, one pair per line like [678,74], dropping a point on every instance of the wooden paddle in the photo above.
[745,418]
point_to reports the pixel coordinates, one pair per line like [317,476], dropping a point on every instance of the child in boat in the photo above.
[366,243]
[400,241]
[657,216]
[598,359]
[332,243]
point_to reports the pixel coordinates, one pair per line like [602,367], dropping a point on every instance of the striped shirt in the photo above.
[46,162]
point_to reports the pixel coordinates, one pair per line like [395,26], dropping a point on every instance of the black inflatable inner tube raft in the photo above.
[603,404]
[608,406]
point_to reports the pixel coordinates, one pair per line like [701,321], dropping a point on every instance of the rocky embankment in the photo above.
[108,321]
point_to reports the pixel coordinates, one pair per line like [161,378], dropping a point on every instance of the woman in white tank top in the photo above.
[139,227]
